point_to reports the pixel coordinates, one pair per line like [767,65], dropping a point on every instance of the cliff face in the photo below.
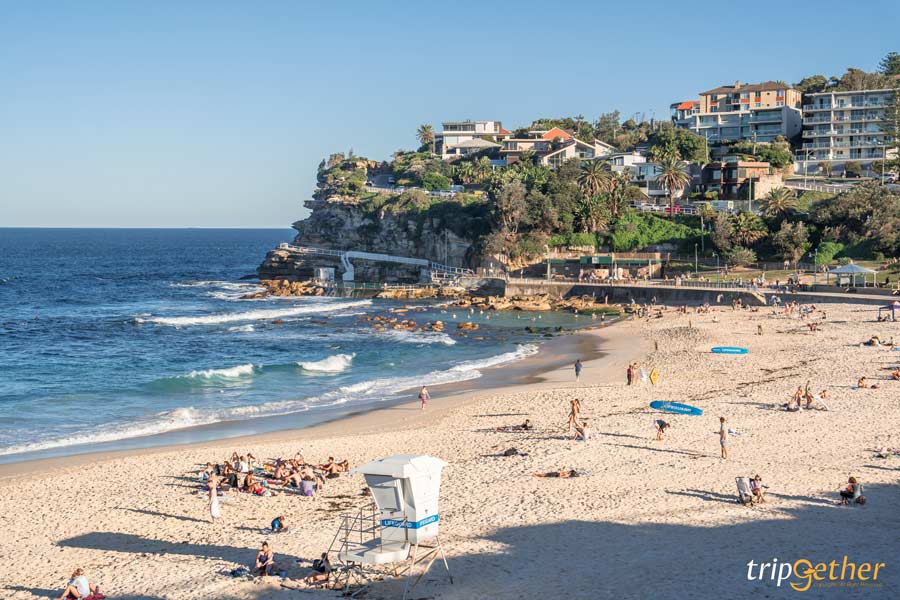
[411,224]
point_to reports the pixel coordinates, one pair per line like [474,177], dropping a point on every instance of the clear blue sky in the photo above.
[215,114]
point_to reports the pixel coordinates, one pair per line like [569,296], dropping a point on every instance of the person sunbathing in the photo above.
[526,426]
[756,488]
[562,473]
[281,472]
[794,403]
[79,587]
[331,468]
[864,385]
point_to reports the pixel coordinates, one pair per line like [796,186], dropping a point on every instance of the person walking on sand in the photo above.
[629,373]
[578,367]
[424,397]
[723,438]
[574,412]
[215,511]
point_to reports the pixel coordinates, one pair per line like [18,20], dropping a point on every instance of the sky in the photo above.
[216,114]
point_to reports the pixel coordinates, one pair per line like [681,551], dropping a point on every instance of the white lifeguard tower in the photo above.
[400,528]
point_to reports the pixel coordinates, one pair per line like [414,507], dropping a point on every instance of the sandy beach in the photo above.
[651,519]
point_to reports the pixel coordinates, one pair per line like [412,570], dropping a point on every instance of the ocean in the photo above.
[124,338]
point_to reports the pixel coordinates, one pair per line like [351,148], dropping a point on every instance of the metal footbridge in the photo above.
[439,273]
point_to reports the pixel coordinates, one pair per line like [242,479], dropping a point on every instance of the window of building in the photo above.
[779,103]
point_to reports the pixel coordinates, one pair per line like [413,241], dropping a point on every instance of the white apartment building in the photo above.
[845,126]
[456,137]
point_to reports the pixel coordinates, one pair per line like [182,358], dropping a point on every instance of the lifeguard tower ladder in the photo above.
[399,530]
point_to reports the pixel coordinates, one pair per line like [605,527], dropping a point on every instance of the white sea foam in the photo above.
[242,328]
[364,391]
[254,315]
[332,364]
[229,373]
[419,337]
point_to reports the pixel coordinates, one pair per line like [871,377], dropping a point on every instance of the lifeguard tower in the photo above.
[399,530]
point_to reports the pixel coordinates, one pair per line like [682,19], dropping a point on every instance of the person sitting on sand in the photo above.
[864,385]
[756,488]
[79,587]
[661,427]
[243,466]
[322,568]
[562,473]
[526,426]
[281,472]
[278,524]
[582,431]
[308,486]
[849,492]
[265,560]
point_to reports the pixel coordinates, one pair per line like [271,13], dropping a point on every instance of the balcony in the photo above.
[772,118]
[819,119]
[812,107]
[816,145]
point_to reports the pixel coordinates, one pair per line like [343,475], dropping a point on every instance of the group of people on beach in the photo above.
[804,397]
[240,473]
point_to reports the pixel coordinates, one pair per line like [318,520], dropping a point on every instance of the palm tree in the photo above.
[673,176]
[467,171]
[779,202]
[425,135]
[483,168]
[747,229]
[594,178]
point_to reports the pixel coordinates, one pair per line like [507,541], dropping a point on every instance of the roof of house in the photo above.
[851,269]
[765,86]
[688,104]
[476,143]
[556,132]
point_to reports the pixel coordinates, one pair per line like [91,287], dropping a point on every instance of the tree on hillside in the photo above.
[425,135]
[674,178]
[607,127]
[779,202]
[594,178]
[483,169]
[747,229]
[812,84]
[721,232]
[683,144]
[826,167]
[511,206]
[792,240]
[890,64]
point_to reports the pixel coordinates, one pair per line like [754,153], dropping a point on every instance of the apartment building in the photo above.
[457,137]
[754,111]
[735,179]
[845,126]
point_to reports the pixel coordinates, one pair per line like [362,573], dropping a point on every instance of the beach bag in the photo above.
[861,500]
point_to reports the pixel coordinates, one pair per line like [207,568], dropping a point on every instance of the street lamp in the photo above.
[547,251]
[696,267]
[716,254]
[815,256]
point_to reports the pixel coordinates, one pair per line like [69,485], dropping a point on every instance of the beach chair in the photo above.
[745,496]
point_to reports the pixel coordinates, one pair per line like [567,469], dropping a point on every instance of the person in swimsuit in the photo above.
[661,427]
[424,397]
[265,560]
[79,587]
[562,473]
[723,438]
[757,489]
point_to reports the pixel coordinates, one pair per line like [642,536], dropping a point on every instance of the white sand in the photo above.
[654,520]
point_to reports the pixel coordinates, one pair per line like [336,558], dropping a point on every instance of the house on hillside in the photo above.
[457,138]
[736,179]
[552,147]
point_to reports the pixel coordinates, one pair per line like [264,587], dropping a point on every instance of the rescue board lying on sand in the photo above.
[676,407]
[729,350]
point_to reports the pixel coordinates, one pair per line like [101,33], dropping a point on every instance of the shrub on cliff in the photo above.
[435,181]
[633,231]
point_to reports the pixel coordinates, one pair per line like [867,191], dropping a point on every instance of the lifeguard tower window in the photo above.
[388,491]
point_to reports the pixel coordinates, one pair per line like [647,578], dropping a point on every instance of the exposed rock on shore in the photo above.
[538,302]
